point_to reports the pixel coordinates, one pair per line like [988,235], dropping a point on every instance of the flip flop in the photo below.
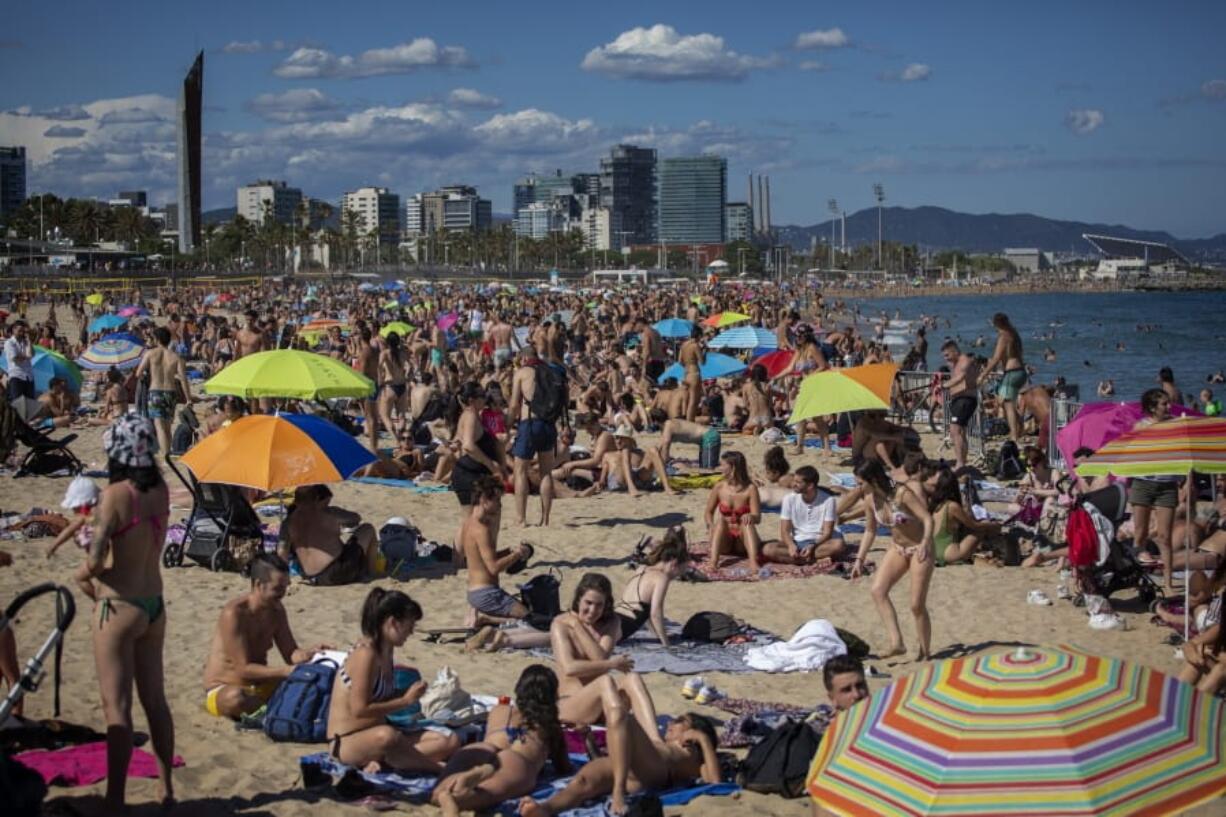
[522,564]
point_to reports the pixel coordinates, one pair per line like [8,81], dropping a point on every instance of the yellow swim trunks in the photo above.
[262,691]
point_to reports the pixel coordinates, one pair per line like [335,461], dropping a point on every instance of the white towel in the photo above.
[809,649]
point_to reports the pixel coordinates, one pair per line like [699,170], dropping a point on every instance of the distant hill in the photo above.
[935,228]
[219,216]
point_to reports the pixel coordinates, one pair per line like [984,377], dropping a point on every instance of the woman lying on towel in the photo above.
[364,694]
[518,741]
[638,760]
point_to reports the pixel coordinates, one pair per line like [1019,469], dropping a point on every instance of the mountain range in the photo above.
[935,228]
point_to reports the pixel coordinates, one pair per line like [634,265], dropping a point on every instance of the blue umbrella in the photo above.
[46,365]
[113,350]
[105,323]
[717,366]
[130,337]
[392,286]
[674,328]
[744,337]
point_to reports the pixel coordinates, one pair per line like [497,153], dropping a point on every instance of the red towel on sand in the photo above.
[85,764]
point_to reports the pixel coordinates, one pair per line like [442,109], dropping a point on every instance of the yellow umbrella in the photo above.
[723,319]
[94,299]
[399,327]
[837,390]
[290,373]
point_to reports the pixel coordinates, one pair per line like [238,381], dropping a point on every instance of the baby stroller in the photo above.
[22,790]
[1115,567]
[220,531]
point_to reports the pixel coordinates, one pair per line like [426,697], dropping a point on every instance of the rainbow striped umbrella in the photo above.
[113,350]
[1172,447]
[281,451]
[1051,731]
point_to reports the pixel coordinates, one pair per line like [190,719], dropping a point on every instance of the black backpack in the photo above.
[550,394]
[540,595]
[712,627]
[1010,466]
[779,763]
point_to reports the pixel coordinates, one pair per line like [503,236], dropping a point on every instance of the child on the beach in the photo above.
[81,498]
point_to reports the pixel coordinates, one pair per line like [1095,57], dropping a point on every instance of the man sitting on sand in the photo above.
[489,603]
[314,538]
[237,678]
[807,531]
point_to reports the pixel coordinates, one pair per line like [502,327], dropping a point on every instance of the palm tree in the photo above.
[130,225]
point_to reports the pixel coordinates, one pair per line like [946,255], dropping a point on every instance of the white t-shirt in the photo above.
[808,521]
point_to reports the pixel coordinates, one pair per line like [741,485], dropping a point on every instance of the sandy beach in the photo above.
[973,608]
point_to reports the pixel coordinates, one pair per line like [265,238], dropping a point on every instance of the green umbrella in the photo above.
[290,373]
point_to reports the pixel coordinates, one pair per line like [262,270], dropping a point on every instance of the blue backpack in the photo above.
[298,710]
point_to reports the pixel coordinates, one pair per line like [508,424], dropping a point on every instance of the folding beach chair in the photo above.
[221,517]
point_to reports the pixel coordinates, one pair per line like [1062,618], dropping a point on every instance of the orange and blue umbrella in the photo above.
[275,452]
[1028,731]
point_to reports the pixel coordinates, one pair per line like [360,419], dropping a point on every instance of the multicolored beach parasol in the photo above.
[858,388]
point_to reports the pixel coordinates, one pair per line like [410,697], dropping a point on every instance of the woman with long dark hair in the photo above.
[910,550]
[129,622]
[481,454]
[393,388]
[1155,498]
[364,694]
[518,740]
[735,497]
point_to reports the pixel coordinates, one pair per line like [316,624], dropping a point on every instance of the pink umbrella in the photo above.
[1097,424]
[448,320]
[132,311]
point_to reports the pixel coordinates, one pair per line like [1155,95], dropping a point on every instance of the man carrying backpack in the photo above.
[237,678]
[539,396]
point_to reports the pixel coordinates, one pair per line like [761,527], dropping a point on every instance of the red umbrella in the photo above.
[776,362]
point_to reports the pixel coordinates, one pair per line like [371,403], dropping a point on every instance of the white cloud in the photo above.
[243,47]
[1084,120]
[423,52]
[915,72]
[1214,89]
[60,113]
[661,54]
[813,65]
[822,38]
[533,130]
[295,105]
[470,98]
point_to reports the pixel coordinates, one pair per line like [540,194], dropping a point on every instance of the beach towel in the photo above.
[754,720]
[682,657]
[736,569]
[416,789]
[693,481]
[815,643]
[407,484]
[85,765]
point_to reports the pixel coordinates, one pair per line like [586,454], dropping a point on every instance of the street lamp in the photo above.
[879,194]
[740,257]
[833,206]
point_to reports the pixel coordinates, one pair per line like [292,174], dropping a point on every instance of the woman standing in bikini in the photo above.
[518,741]
[910,549]
[736,499]
[692,357]
[393,392]
[364,694]
[129,621]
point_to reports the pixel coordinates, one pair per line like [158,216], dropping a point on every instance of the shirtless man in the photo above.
[534,437]
[314,537]
[692,357]
[670,399]
[502,337]
[250,338]
[237,678]
[653,348]
[1008,355]
[682,431]
[366,361]
[166,371]
[963,388]
[59,405]
[488,603]
[757,406]
[876,438]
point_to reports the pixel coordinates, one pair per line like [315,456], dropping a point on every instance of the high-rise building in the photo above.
[269,197]
[738,222]
[12,180]
[628,191]
[453,208]
[538,220]
[596,224]
[414,221]
[188,119]
[691,193]
[378,211]
[134,198]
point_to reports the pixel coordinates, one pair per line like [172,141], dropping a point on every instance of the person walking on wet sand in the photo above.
[1008,355]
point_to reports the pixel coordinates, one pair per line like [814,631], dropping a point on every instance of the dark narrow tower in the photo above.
[189,155]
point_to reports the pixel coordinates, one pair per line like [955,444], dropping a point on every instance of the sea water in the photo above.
[1186,331]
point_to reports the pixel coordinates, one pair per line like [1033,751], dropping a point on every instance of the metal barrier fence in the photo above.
[1062,413]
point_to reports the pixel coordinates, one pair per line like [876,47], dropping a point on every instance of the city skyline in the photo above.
[1062,112]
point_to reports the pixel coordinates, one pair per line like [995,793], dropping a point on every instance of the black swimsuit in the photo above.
[641,613]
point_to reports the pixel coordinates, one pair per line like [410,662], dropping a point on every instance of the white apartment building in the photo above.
[252,199]
[597,227]
[378,210]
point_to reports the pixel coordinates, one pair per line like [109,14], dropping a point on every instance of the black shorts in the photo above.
[347,568]
[462,480]
[961,409]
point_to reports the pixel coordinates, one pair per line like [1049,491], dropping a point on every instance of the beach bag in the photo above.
[1053,523]
[298,710]
[711,626]
[445,694]
[1010,465]
[1082,538]
[549,395]
[780,763]
[398,542]
[541,595]
[22,788]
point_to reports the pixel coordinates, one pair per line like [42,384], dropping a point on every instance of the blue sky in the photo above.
[1100,111]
